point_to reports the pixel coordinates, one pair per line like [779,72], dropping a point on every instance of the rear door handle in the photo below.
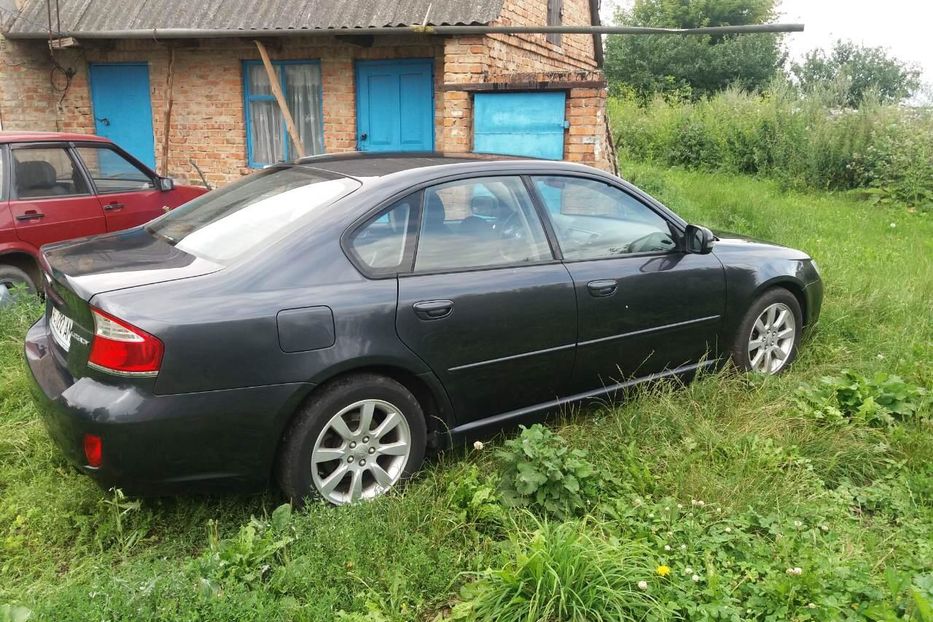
[113,206]
[433,309]
[602,288]
[30,215]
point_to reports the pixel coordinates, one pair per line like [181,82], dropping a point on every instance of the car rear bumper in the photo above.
[161,444]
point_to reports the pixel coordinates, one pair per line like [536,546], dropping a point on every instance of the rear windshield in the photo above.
[222,225]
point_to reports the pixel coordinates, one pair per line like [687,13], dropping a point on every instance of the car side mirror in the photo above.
[698,240]
[166,184]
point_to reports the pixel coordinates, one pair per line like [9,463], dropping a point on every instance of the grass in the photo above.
[729,478]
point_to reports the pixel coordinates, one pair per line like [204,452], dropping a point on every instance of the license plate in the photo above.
[61,326]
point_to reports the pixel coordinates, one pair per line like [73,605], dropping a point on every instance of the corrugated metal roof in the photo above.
[79,16]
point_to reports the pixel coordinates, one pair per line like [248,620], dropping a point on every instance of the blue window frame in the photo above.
[267,139]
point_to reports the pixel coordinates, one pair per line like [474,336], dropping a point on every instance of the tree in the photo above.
[697,65]
[857,71]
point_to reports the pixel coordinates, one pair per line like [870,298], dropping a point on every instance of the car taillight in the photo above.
[93,450]
[120,348]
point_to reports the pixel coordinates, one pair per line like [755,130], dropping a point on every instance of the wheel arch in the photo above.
[23,260]
[793,286]
[426,388]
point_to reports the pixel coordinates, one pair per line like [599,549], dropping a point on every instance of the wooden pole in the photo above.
[169,81]
[280,97]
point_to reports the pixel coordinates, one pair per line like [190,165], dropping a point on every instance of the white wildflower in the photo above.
[728,529]
[643,585]
[695,578]
[667,547]
[688,570]
[478,445]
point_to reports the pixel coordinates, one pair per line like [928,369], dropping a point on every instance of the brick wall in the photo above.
[26,100]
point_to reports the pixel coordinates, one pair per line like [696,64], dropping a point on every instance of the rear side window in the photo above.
[112,172]
[256,211]
[476,223]
[382,243]
[46,172]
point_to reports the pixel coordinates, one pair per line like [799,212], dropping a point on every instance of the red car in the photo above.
[56,186]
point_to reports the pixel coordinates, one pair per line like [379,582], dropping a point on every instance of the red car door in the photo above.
[128,193]
[50,199]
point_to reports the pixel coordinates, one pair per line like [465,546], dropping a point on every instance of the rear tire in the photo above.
[355,439]
[11,276]
[768,336]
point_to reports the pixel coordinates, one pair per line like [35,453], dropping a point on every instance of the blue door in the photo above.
[395,105]
[521,124]
[122,108]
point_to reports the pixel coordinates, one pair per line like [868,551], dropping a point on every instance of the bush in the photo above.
[541,472]
[852,398]
[801,141]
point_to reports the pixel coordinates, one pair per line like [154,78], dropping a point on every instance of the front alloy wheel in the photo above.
[772,339]
[767,338]
[361,452]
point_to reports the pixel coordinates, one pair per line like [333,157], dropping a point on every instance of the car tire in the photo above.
[343,462]
[769,334]
[11,275]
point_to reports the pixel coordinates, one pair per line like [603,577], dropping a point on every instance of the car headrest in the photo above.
[434,212]
[34,175]
[484,204]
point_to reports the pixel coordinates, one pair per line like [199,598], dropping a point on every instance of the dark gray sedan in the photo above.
[325,322]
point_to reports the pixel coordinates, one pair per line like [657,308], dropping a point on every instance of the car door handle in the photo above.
[433,309]
[30,215]
[113,206]
[602,288]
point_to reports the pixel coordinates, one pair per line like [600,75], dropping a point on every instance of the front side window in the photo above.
[46,172]
[593,220]
[112,172]
[381,243]
[268,141]
[223,225]
[476,223]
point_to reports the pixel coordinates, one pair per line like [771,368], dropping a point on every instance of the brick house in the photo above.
[122,72]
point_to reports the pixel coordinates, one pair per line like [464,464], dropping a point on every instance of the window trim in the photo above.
[83,144]
[677,230]
[75,161]
[249,97]
[5,172]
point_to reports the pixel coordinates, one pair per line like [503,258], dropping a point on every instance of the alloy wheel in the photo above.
[772,339]
[361,452]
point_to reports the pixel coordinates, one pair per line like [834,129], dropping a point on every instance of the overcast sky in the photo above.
[901,26]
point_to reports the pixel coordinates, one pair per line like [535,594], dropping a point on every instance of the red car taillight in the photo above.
[119,347]
[93,450]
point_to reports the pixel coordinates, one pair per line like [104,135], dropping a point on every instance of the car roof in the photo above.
[359,164]
[30,136]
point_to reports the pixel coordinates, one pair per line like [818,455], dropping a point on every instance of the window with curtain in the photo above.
[267,140]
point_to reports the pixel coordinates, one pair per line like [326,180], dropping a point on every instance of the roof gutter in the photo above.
[192,33]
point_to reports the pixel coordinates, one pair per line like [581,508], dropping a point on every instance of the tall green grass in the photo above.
[800,141]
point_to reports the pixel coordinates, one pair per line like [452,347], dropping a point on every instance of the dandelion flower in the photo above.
[478,445]
[643,585]
[695,578]
[663,570]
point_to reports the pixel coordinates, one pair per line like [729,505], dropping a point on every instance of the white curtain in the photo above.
[267,126]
